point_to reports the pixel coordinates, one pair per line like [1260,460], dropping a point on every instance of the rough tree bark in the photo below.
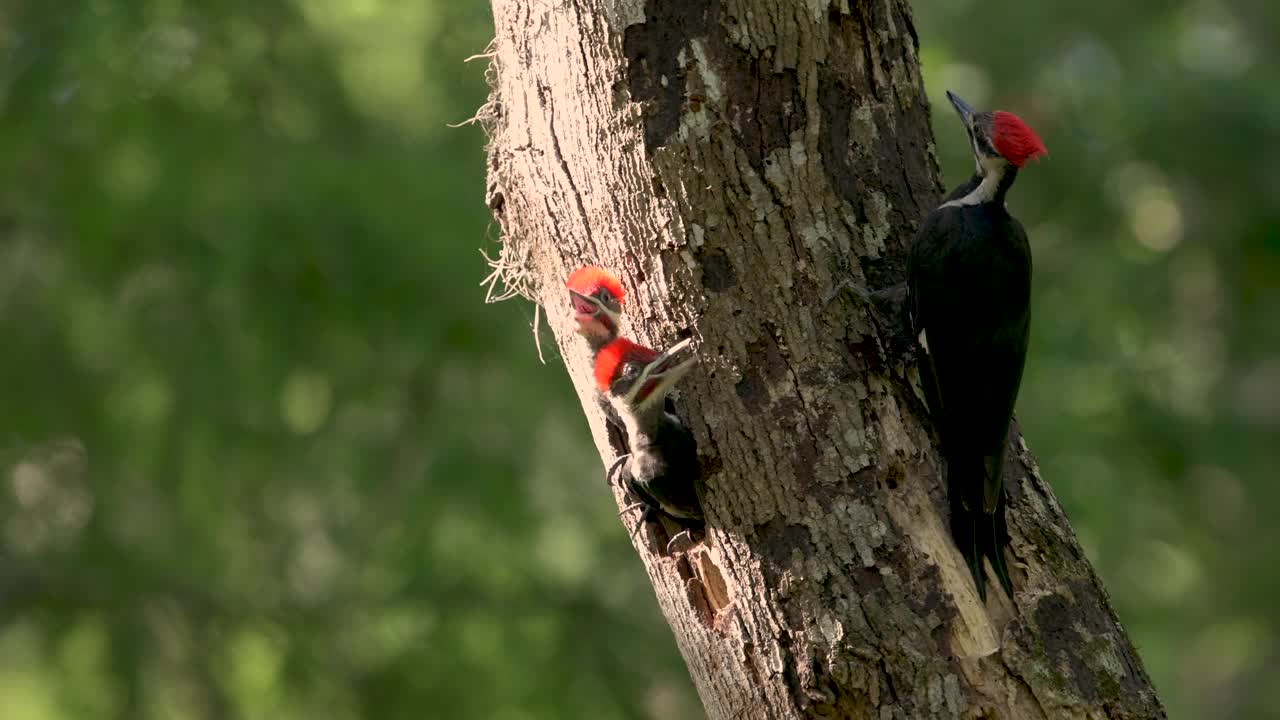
[734,160]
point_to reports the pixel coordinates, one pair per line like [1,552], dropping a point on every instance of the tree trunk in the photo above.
[735,160]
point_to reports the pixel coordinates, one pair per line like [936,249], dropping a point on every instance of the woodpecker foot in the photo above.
[885,303]
[888,310]
[623,472]
[844,267]
[647,514]
[681,543]
[618,465]
[845,287]
[641,519]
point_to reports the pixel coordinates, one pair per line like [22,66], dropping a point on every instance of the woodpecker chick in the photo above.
[596,297]
[969,285]
[662,468]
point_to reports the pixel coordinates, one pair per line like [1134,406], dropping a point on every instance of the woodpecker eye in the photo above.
[607,299]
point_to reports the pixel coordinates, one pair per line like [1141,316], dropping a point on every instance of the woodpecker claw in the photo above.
[635,529]
[681,543]
[646,511]
[613,469]
[646,516]
[885,301]
[630,507]
[842,287]
[887,310]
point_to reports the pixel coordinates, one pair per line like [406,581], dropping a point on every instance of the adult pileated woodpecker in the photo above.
[662,468]
[970,291]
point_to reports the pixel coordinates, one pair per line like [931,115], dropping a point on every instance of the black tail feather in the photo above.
[964,532]
[980,536]
[992,545]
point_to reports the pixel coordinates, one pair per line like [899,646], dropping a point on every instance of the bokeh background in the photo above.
[267,454]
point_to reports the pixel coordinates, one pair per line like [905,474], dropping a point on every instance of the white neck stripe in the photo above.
[986,190]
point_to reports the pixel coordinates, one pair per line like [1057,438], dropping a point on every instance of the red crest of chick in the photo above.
[595,296]
[590,279]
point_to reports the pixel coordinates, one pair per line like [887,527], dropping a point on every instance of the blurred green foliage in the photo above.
[267,455]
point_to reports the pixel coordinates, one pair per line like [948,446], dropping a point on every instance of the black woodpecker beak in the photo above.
[962,108]
[658,377]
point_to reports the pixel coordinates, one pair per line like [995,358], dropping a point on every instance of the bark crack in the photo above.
[872,85]
[1017,675]
[564,166]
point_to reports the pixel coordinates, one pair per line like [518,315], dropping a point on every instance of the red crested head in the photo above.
[590,280]
[595,296]
[614,357]
[638,376]
[1015,142]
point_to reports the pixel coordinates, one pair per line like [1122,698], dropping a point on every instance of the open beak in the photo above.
[658,377]
[966,113]
[584,307]
[583,303]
